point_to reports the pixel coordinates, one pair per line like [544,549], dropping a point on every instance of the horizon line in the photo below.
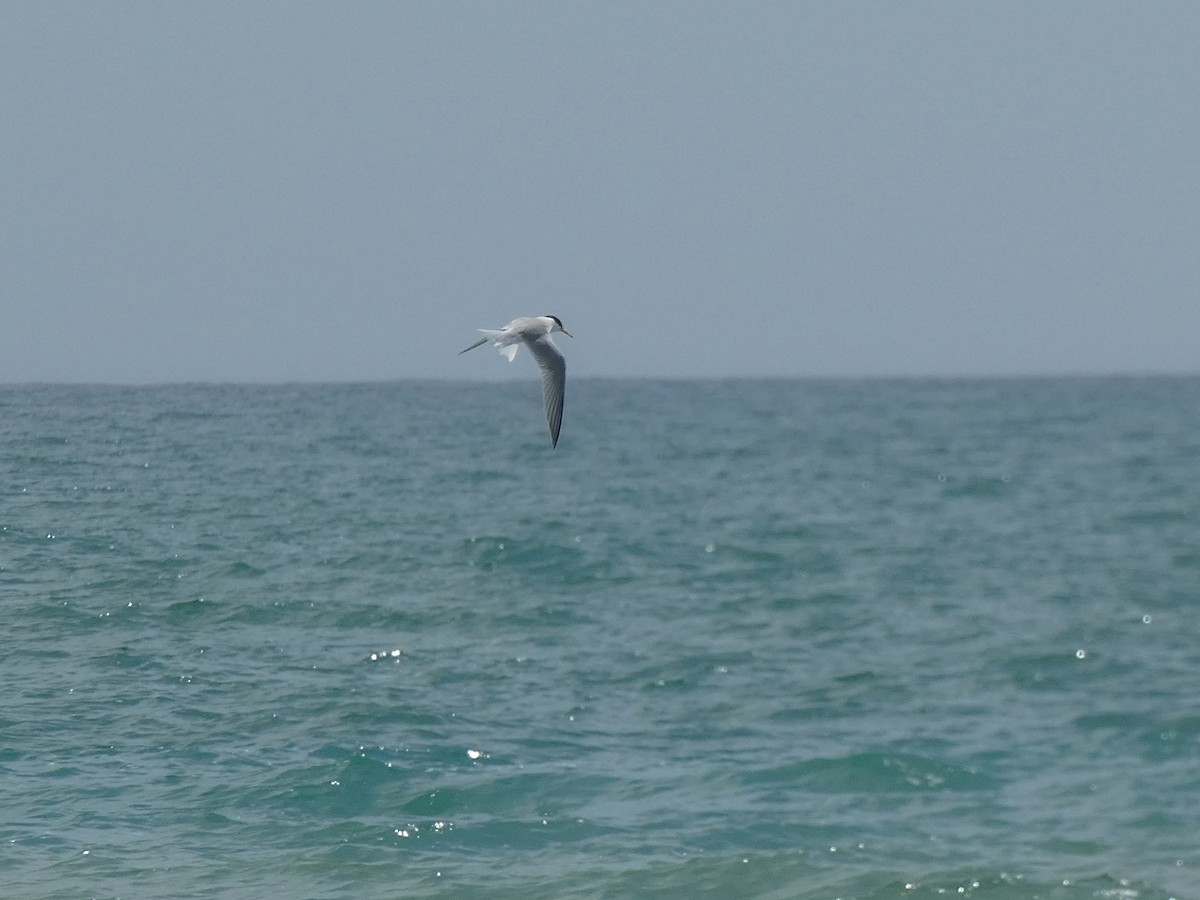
[1081,375]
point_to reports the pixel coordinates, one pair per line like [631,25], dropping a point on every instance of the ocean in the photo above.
[731,639]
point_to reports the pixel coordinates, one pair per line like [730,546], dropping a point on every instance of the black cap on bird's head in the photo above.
[558,322]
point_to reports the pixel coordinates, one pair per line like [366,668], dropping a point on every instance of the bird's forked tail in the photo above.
[489,334]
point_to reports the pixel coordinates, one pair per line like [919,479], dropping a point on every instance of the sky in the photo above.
[251,191]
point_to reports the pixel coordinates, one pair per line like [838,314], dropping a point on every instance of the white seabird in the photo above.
[534,332]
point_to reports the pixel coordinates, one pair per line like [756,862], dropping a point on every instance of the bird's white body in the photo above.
[508,340]
[534,332]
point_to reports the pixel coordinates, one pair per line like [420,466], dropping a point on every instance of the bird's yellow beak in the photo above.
[567,333]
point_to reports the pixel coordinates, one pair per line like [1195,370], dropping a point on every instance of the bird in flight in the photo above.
[534,332]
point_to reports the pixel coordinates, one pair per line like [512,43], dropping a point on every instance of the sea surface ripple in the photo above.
[776,639]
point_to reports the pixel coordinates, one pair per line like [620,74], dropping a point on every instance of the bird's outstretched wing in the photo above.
[554,379]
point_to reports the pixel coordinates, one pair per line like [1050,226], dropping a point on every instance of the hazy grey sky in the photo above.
[254,191]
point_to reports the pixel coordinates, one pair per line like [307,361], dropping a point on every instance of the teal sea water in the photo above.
[770,639]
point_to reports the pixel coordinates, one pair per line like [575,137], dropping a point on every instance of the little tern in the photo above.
[534,332]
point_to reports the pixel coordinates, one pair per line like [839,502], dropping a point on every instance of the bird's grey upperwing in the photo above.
[554,379]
